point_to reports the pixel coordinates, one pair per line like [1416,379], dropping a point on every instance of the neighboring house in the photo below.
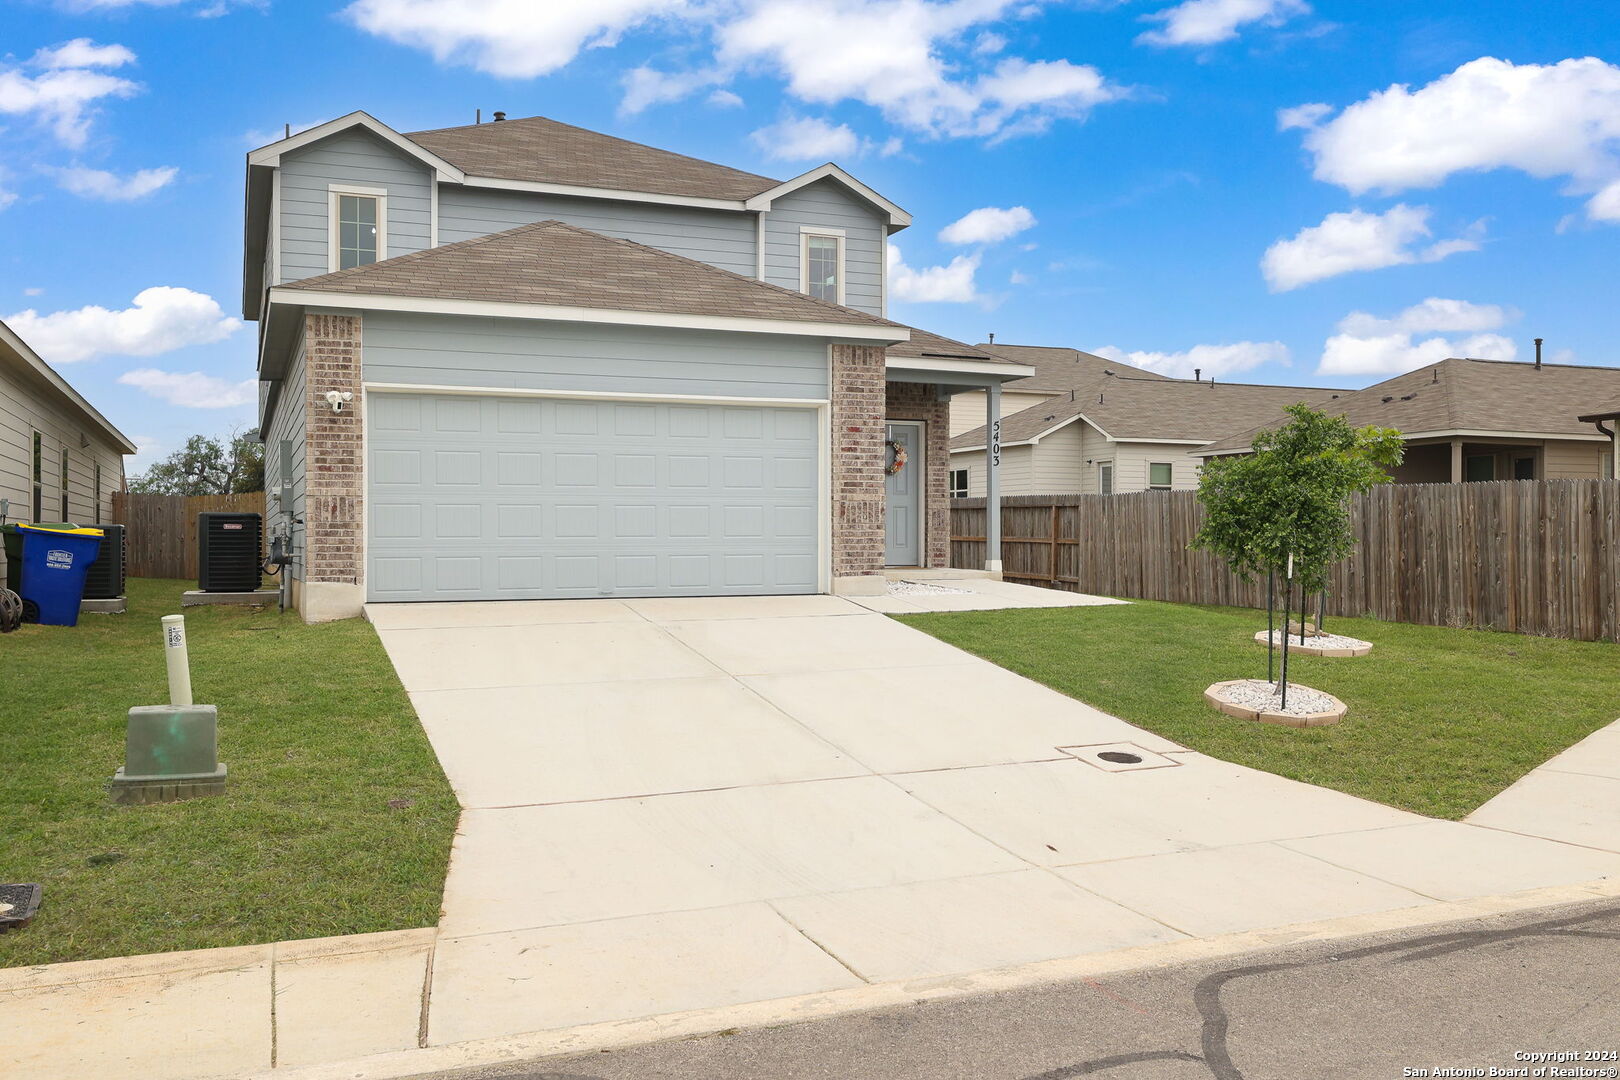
[1123,433]
[60,459]
[1465,419]
[1059,372]
[568,365]
[1607,421]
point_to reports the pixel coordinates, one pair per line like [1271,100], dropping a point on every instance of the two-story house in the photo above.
[521,360]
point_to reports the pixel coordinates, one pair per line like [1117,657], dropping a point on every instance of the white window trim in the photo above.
[1151,486]
[967,483]
[805,233]
[333,192]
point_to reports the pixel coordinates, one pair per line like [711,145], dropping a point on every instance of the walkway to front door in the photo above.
[903,508]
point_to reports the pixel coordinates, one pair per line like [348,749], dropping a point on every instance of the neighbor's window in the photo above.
[824,267]
[359,228]
[1480,467]
[39,476]
[64,484]
[959,483]
[1105,478]
[98,493]
[1524,468]
[1159,475]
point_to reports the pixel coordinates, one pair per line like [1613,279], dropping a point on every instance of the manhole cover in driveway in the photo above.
[1119,757]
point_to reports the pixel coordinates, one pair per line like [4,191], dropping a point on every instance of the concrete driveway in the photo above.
[681,804]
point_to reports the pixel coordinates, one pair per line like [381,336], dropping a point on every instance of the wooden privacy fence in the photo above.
[1530,556]
[160,531]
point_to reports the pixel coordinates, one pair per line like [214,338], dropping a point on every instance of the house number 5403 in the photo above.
[995,443]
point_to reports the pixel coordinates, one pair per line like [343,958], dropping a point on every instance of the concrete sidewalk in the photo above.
[732,811]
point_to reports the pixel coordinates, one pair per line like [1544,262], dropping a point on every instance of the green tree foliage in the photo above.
[1290,496]
[207,466]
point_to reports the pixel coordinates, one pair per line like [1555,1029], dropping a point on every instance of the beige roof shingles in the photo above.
[1467,395]
[554,263]
[542,150]
[1152,410]
[1059,369]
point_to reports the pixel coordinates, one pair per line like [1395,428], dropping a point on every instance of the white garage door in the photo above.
[493,498]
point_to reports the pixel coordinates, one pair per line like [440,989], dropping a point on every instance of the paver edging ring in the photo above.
[1331,715]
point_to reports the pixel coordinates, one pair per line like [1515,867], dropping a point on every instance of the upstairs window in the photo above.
[1159,476]
[824,266]
[359,227]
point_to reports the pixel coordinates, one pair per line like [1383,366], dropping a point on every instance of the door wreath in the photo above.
[899,461]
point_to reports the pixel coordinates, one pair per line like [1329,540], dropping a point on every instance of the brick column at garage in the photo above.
[334,479]
[858,403]
[920,401]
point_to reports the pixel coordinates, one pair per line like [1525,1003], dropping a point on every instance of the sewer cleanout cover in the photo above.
[1119,757]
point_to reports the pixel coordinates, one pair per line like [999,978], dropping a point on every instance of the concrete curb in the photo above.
[624,1033]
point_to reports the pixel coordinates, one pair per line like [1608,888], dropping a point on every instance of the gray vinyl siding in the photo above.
[24,410]
[828,205]
[352,157]
[288,423]
[440,350]
[722,238]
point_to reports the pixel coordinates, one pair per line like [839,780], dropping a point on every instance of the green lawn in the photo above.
[1440,720]
[337,818]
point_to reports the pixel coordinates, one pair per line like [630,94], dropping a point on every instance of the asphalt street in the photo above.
[1465,997]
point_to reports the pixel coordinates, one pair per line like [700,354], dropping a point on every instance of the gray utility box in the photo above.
[170,752]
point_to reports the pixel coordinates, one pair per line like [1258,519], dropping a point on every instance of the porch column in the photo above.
[992,478]
[1456,461]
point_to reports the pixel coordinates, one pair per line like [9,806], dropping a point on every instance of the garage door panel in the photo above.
[539,498]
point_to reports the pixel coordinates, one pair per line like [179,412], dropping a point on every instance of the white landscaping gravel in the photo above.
[923,588]
[1263,696]
[1320,641]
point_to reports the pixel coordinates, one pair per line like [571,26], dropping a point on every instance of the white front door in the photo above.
[902,520]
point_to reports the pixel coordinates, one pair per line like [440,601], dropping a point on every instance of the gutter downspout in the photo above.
[1614,447]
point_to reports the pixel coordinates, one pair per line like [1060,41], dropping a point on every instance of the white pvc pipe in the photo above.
[174,651]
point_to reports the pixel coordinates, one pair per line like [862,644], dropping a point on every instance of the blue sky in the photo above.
[1274,190]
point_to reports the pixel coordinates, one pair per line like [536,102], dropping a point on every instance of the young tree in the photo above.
[206,466]
[1289,498]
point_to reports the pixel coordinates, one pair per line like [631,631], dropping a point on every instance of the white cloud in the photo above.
[1359,240]
[34,291]
[1547,120]
[512,39]
[1369,345]
[725,99]
[1018,277]
[1214,361]
[160,319]
[952,283]
[1605,205]
[7,198]
[65,89]
[1302,116]
[110,187]
[82,53]
[1209,22]
[807,138]
[927,65]
[193,389]
[987,225]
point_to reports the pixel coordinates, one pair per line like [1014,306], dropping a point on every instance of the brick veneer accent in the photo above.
[919,401]
[858,402]
[334,472]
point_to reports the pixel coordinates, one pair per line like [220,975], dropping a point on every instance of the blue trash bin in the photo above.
[55,562]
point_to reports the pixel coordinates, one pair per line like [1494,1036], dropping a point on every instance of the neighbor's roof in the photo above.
[1610,411]
[1059,369]
[17,355]
[926,345]
[1466,395]
[1150,410]
[557,264]
[542,150]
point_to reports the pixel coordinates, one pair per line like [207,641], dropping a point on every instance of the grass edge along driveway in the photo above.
[1440,719]
[336,820]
